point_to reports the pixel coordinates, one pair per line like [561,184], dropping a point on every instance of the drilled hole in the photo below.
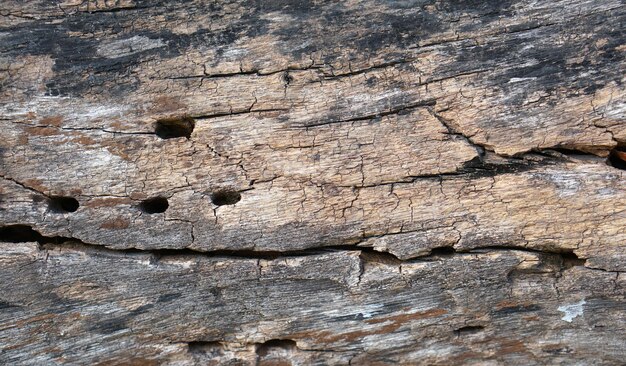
[617,158]
[225,197]
[63,204]
[170,128]
[154,205]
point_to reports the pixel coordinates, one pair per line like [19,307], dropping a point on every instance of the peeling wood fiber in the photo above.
[312,182]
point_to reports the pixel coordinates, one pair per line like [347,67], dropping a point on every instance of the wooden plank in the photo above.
[312,182]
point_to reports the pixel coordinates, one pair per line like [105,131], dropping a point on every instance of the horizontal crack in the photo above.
[480,167]
[254,72]
[21,233]
[115,9]
[234,113]
[421,103]
[25,233]
[383,65]
[85,129]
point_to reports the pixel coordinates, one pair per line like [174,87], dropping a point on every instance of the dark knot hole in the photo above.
[63,204]
[170,128]
[225,197]
[154,205]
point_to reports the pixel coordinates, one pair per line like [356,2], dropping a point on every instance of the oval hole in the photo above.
[63,204]
[154,205]
[225,197]
[170,128]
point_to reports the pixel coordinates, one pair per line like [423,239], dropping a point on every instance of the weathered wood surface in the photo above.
[365,182]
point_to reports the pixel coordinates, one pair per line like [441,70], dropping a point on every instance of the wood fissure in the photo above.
[295,182]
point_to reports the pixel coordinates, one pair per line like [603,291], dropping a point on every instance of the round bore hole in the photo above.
[170,128]
[225,197]
[154,205]
[62,204]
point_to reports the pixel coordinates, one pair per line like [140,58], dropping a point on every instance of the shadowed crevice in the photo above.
[25,233]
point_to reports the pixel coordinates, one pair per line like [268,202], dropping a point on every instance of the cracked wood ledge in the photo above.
[312,182]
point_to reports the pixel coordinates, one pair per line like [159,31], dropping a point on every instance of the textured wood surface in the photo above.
[312,182]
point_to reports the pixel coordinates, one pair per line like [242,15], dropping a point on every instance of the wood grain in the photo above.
[312,182]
